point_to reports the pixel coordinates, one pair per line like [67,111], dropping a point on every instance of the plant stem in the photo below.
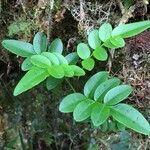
[71,85]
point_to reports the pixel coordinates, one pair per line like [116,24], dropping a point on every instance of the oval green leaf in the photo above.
[72,58]
[92,84]
[83,51]
[56,46]
[105,31]
[88,64]
[100,54]
[131,29]
[100,113]
[93,39]
[118,41]
[117,94]
[131,118]
[104,87]
[69,103]
[40,61]
[56,71]
[83,110]
[77,70]
[19,48]
[33,77]
[40,42]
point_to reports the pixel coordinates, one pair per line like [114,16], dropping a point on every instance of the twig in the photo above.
[71,86]
[51,6]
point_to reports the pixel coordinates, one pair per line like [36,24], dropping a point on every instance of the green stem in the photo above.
[71,86]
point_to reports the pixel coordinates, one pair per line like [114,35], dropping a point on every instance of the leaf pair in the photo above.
[100,101]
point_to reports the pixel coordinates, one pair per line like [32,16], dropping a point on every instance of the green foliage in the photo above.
[43,62]
[100,41]
[40,42]
[88,64]
[56,46]
[101,102]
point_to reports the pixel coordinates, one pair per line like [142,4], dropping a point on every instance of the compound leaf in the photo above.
[19,48]
[93,39]
[40,42]
[33,77]
[117,94]
[56,46]
[69,103]
[83,51]
[92,84]
[131,118]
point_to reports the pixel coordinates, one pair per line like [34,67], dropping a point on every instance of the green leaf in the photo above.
[69,72]
[52,82]
[117,94]
[131,118]
[40,42]
[33,77]
[117,41]
[105,31]
[61,58]
[100,54]
[88,64]
[69,103]
[72,58]
[26,65]
[92,84]
[77,70]
[131,29]
[100,113]
[40,61]
[56,46]
[83,110]
[56,71]
[93,39]
[104,87]
[83,51]
[19,48]
[52,57]
[108,44]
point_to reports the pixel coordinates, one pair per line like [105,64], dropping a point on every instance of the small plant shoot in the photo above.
[105,38]
[100,102]
[43,62]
